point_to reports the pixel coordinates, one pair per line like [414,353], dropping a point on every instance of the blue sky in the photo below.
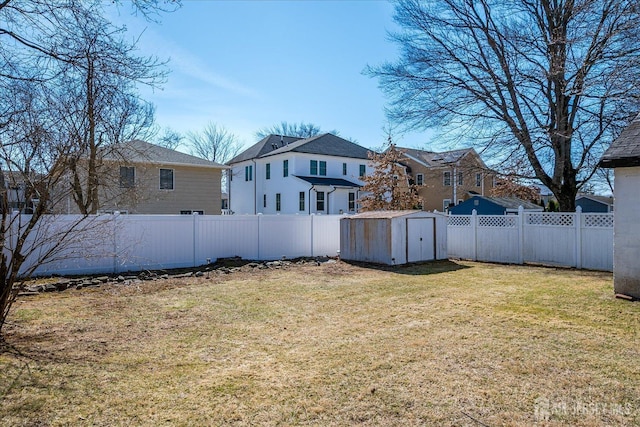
[247,65]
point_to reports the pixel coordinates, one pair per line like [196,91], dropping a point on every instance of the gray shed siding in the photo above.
[386,240]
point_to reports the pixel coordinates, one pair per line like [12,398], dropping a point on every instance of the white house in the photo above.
[624,156]
[288,175]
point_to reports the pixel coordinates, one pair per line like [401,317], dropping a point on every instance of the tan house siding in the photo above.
[194,189]
[433,191]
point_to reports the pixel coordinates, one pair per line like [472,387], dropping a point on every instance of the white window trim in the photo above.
[173,179]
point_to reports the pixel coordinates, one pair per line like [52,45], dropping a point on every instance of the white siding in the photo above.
[626,273]
[242,193]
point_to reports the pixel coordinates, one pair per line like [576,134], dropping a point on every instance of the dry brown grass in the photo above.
[453,344]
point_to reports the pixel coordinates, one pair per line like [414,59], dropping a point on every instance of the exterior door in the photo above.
[420,239]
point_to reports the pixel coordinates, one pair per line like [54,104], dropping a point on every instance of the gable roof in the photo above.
[509,202]
[434,159]
[326,144]
[605,200]
[262,147]
[625,150]
[137,151]
[392,214]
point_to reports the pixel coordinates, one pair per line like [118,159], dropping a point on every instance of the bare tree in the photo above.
[214,143]
[67,91]
[169,138]
[217,144]
[388,187]
[550,81]
[300,130]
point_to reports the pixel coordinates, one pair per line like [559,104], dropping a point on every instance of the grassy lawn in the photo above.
[442,344]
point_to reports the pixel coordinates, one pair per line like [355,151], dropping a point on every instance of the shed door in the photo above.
[420,239]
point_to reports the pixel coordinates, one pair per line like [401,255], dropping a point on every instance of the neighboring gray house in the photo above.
[624,157]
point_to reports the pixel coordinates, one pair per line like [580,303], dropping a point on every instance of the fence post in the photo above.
[196,220]
[311,233]
[474,233]
[116,215]
[521,224]
[578,224]
[259,232]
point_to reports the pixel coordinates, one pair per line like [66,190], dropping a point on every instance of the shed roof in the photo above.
[625,150]
[392,214]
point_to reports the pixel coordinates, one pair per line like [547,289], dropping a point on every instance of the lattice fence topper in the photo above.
[497,221]
[551,218]
[459,221]
[597,220]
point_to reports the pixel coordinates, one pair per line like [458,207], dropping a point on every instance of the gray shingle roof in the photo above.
[512,202]
[264,146]
[625,150]
[431,158]
[137,151]
[326,144]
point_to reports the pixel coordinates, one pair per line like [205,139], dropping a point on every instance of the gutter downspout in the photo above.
[334,189]
[455,186]
[311,188]
[255,195]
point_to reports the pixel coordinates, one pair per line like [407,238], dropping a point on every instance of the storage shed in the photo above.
[393,237]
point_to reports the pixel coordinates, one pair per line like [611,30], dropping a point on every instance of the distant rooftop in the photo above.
[432,158]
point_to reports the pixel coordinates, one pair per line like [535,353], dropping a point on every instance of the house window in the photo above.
[323,168]
[419,179]
[320,201]
[460,181]
[493,181]
[344,169]
[268,171]
[166,179]
[478,180]
[190,212]
[352,202]
[363,170]
[278,200]
[301,202]
[285,168]
[445,204]
[446,179]
[313,167]
[264,200]
[127,176]
[248,173]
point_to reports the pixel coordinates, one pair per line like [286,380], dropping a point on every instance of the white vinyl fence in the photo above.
[581,240]
[118,243]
